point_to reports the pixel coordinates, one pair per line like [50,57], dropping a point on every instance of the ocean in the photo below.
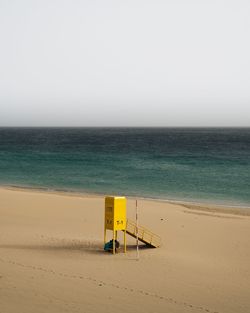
[184,164]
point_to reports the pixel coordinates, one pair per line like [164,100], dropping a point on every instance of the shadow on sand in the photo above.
[66,246]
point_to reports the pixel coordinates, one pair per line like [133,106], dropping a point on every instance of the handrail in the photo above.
[144,234]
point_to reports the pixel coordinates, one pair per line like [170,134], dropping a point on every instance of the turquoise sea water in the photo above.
[199,164]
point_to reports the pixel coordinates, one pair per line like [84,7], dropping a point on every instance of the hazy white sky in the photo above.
[118,63]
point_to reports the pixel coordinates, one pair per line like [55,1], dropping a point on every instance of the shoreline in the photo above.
[190,205]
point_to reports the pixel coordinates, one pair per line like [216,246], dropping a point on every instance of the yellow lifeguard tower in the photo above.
[115,218]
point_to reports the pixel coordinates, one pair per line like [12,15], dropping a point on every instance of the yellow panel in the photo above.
[109,213]
[115,213]
[120,213]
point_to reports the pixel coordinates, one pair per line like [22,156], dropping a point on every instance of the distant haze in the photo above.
[124,63]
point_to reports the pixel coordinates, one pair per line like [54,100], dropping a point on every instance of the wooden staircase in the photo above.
[144,235]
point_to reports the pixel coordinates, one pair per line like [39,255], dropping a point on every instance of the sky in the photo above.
[124,63]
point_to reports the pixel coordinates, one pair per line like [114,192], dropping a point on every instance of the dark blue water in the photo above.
[168,163]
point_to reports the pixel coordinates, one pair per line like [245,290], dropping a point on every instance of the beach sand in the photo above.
[52,258]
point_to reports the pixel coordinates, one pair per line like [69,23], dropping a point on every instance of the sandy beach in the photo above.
[52,258]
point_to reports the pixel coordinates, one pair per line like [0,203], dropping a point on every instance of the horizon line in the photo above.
[124,126]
